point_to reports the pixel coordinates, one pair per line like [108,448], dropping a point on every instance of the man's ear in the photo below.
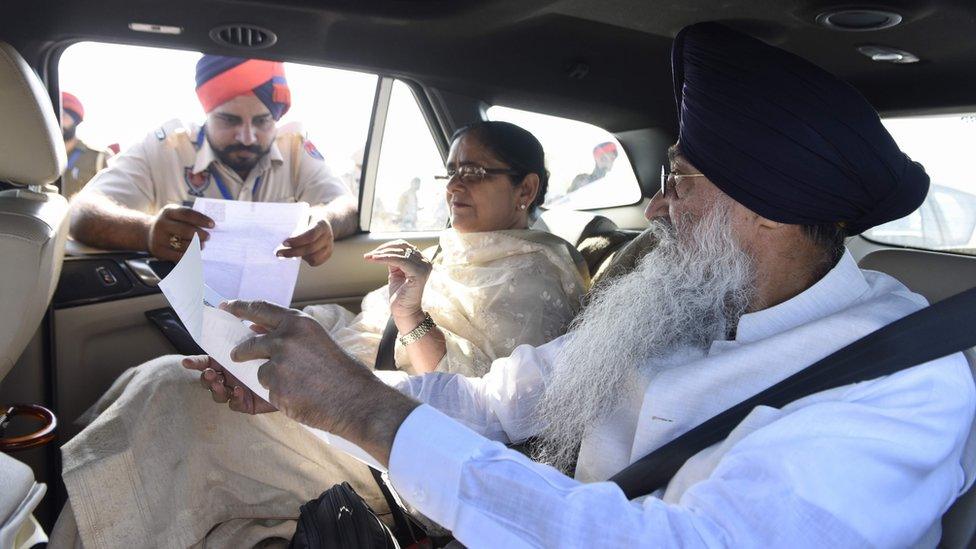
[529,189]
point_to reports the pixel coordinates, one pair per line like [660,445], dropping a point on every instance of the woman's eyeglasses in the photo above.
[669,181]
[469,173]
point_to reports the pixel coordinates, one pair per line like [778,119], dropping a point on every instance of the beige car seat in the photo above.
[33,229]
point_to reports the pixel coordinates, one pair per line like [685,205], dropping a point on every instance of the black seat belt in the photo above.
[934,332]
[384,353]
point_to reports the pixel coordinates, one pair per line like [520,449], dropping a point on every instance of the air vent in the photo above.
[246,37]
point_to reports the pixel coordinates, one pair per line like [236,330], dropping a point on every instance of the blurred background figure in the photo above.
[351,176]
[604,156]
[408,206]
[84,161]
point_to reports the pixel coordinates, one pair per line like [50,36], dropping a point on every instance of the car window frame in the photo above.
[374,146]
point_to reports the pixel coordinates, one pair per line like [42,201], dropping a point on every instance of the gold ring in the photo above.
[175,243]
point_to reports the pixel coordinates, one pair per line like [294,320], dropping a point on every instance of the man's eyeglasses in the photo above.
[474,174]
[669,181]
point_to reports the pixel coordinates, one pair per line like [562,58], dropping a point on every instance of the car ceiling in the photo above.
[605,62]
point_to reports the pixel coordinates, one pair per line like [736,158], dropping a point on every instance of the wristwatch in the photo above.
[420,331]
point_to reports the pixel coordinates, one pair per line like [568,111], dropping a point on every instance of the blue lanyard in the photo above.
[73,158]
[226,193]
[219,180]
[215,173]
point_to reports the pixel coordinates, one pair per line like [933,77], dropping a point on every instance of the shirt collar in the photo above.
[832,293]
[206,156]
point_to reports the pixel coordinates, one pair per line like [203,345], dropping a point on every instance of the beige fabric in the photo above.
[33,229]
[31,145]
[164,466]
[488,292]
[168,168]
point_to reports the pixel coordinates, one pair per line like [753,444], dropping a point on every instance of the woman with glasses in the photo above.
[205,474]
[491,285]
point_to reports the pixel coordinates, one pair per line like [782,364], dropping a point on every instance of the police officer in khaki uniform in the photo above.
[83,161]
[141,201]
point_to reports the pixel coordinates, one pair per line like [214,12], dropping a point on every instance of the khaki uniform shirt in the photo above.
[83,163]
[175,164]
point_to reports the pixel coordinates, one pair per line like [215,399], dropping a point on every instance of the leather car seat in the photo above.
[33,229]
[597,238]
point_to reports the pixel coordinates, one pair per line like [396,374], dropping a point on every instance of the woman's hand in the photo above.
[225,388]
[409,270]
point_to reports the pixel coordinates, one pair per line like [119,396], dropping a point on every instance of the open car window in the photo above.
[946,221]
[588,169]
[407,197]
[129,91]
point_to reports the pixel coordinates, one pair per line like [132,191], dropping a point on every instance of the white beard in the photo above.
[688,292]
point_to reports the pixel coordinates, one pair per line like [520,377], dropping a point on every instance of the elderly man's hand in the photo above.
[315,382]
[225,388]
[172,230]
[314,245]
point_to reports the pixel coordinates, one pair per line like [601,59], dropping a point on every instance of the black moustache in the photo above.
[235,148]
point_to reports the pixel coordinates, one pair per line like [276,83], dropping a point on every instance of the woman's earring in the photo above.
[522,206]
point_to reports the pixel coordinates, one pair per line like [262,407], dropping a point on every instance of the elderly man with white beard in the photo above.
[776,162]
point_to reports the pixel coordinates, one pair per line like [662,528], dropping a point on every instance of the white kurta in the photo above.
[871,464]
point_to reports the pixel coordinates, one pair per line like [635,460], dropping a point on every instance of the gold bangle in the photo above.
[420,331]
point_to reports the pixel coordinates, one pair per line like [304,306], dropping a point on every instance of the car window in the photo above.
[128,92]
[946,221]
[407,196]
[588,169]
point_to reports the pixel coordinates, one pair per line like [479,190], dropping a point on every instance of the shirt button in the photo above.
[419,495]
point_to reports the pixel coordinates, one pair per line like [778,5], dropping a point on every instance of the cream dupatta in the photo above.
[488,292]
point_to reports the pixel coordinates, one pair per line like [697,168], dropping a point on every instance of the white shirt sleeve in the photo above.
[128,180]
[498,405]
[875,468]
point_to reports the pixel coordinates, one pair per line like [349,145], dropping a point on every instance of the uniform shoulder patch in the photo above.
[312,151]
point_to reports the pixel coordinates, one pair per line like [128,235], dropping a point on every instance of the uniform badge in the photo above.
[312,151]
[196,183]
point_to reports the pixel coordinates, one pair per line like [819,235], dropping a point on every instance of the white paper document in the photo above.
[239,260]
[217,332]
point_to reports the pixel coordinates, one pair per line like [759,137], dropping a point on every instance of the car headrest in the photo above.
[572,226]
[31,145]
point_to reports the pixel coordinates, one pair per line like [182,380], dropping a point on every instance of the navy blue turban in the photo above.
[785,138]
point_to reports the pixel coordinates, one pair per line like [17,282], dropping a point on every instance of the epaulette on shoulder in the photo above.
[176,136]
[169,128]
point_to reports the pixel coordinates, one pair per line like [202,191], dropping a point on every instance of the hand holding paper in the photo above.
[219,332]
[240,260]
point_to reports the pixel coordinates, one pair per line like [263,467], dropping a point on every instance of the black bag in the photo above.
[339,518]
